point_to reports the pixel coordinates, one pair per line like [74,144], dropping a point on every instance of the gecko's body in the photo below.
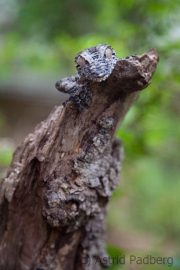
[93,65]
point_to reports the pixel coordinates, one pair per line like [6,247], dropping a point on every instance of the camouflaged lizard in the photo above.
[93,65]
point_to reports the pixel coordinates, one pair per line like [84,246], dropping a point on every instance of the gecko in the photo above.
[94,64]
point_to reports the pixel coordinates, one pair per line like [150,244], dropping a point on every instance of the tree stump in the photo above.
[53,201]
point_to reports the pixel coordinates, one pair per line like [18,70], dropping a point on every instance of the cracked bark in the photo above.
[54,198]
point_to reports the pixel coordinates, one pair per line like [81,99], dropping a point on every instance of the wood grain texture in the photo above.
[53,201]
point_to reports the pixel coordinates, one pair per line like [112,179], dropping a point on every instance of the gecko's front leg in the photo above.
[79,95]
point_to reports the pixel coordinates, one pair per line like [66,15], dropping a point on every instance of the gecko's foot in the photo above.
[65,102]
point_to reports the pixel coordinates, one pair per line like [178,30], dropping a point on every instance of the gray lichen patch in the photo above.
[98,168]
[73,200]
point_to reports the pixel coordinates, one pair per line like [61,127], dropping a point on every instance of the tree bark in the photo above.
[53,201]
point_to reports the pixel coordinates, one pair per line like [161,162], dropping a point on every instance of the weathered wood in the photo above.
[53,200]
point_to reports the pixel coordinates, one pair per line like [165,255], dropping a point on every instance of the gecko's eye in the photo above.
[81,61]
[108,53]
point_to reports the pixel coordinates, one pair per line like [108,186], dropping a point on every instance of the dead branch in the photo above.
[53,200]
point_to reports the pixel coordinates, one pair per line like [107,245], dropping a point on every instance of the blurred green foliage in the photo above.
[45,36]
[5,150]
[5,156]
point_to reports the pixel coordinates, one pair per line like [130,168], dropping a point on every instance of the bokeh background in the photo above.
[38,42]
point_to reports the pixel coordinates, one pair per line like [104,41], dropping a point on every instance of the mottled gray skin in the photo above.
[93,65]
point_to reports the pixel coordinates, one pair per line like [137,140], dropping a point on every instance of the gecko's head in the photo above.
[96,63]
